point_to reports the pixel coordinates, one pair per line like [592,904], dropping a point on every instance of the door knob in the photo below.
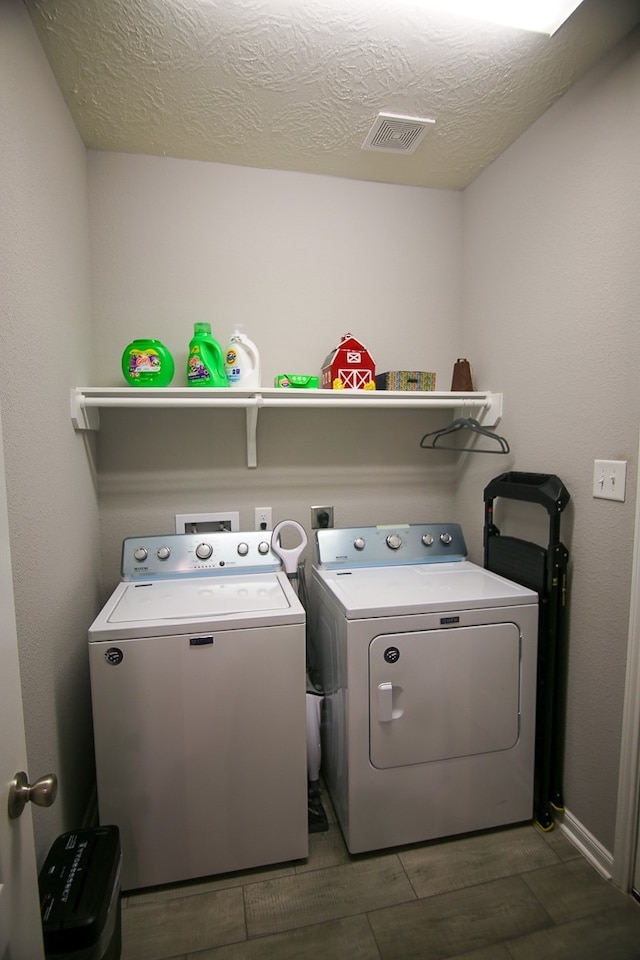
[43,792]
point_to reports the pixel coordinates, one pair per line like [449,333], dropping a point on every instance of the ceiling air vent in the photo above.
[395,134]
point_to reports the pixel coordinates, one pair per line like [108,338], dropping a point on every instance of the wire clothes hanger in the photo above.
[464,423]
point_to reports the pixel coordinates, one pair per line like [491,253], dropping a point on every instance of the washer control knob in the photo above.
[394,541]
[359,543]
[204,551]
[263,547]
[243,549]
[446,538]
[427,540]
[140,554]
[164,553]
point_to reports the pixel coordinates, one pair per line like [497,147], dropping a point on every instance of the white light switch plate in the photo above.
[609,479]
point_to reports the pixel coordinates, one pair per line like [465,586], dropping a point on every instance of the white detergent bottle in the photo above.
[242,362]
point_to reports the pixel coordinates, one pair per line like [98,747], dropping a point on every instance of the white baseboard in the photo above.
[590,848]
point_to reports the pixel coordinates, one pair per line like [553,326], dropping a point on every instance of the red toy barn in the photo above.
[349,366]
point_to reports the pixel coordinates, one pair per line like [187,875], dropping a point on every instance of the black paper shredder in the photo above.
[80,896]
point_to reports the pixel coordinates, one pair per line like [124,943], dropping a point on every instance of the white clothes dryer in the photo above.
[198,685]
[428,667]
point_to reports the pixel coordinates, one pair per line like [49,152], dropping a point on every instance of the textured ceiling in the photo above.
[297,84]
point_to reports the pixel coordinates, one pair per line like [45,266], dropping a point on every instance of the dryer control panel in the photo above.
[390,545]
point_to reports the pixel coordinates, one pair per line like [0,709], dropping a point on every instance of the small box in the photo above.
[297,381]
[418,380]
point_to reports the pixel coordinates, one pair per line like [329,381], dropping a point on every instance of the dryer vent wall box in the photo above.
[225,521]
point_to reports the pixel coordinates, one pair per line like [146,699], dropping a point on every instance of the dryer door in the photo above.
[441,694]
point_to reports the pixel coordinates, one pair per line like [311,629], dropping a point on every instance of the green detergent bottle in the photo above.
[205,366]
[147,363]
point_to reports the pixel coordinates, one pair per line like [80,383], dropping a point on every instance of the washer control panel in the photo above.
[390,545]
[189,554]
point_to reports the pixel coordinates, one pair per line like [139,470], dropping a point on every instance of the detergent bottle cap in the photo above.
[202,329]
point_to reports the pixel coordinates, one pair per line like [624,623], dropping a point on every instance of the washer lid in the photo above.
[153,607]
[421,588]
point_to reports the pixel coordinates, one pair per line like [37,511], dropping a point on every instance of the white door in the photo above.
[636,871]
[633,665]
[626,854]
[20,926]
[636,876]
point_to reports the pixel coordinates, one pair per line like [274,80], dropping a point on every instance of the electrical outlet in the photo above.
[321,518]
[262,518]
[609,479]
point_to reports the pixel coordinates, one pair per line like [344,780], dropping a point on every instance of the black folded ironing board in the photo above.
[543,569]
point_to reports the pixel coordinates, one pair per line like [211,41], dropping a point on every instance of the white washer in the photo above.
[428,666]
[198,685]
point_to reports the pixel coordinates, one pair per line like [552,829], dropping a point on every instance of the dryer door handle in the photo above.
[385,702]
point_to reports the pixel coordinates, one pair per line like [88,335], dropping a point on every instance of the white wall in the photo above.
[299,260]
[550,302]
[45,337]
[551,298]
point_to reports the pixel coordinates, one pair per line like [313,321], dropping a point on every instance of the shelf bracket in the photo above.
[488,412]
[491,413]
[82,416]
[252,433]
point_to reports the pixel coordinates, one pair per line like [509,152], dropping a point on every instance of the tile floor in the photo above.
[509,894]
